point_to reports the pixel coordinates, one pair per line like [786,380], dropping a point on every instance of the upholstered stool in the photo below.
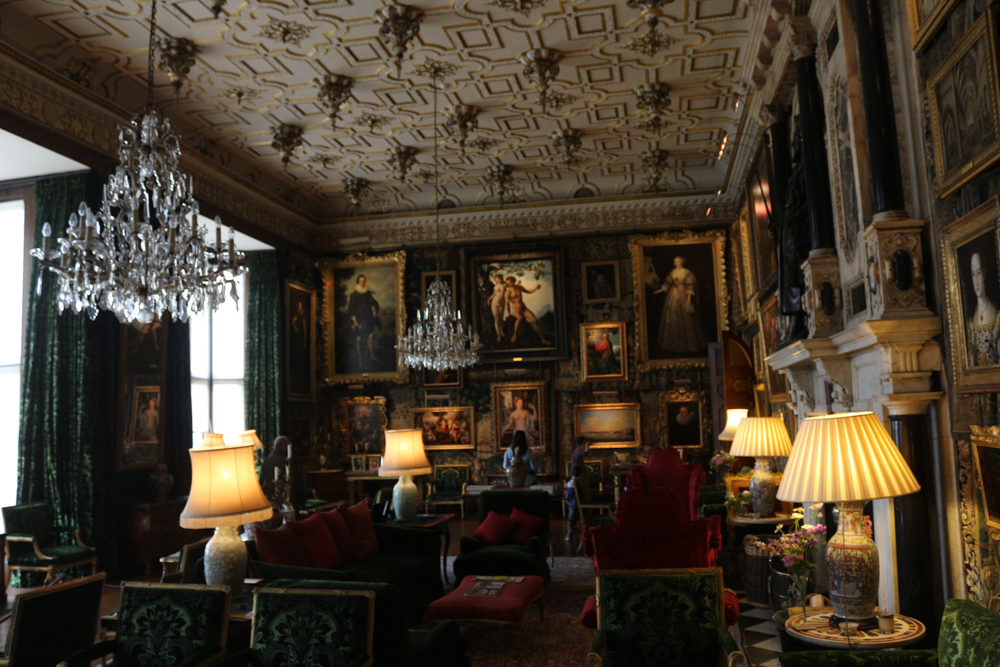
[507,607]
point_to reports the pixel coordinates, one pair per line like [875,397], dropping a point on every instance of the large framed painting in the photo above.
[986,455]
[446,428]
[926,17]
[687,420]
[300,345]
[608,425]
[600,281]
[604,351]
[965,108]
[142,446]
[680,296]
[363,317]
[759,199]
[363,423]
[447,277]
[517,305]
[521,407]
[971,258]
[777,384]
[142,357]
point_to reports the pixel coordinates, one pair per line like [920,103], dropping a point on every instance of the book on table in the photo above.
[489,587]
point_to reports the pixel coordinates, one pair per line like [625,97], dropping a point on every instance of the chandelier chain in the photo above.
[152,50]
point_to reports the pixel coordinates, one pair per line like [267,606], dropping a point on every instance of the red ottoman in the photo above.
[507,607]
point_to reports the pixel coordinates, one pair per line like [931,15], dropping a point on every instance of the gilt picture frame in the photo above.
[363,422]
[925,18]
[608,425]
[522,404]
[603,352]
[986,458]
[687,420]
[600,282]
[446,428]
[300,341]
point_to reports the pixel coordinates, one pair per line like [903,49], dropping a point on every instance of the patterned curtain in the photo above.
[66,448]
[177,429]
[264,376]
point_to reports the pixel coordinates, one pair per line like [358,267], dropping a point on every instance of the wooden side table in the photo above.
[437,522]
[816,629]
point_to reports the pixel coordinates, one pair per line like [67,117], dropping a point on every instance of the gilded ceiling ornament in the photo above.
[286,32]
[380,204]
[241,95]
[483,144]
[217,7]
[557,100]
[653,98]
[435,69]
[462,120]
[567,142]
[401,159]
[356,188]
[541,66]
[324,161]
[400,25]
[176,58]
[285,139]
[651,43]
[653,124]
[334,91]
[371,121]
[426,175]
[500,178]
[79,70]
[523,7]
[650,10]
[655,162]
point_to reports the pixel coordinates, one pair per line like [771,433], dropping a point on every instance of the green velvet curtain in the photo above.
[177,438]
[66,448]
[264,376]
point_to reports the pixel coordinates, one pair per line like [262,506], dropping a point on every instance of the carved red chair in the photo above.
[664,469]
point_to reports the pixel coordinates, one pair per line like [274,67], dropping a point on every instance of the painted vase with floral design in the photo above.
[852,564]
[763,487]
[517,472]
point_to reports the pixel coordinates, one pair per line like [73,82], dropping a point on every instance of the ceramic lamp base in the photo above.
[852,566]
[763,488]
[226,560]
[405,500]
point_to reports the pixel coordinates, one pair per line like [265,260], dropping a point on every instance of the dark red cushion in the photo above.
[525,526]
[507,607]
[317,542]
[589,615]
[280,546]
[341,535]
[495,530]
[359,522]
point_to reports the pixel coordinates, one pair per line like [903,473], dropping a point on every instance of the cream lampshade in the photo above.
[250,438]
[849,459]
[404,456]
[733,419]
[224,494]
[762,438]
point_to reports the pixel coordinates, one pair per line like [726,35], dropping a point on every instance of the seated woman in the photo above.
[520,447]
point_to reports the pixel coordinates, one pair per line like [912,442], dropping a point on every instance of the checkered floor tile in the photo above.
[759,635]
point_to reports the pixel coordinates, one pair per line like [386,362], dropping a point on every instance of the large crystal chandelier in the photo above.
[143,252]
[438,340]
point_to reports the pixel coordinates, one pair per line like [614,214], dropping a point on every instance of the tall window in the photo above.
[11,302]
[217,342]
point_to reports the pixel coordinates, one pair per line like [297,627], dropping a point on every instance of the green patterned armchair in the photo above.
[309,628]
[32,544]
[969,637]
[666,618]
[164,625]
[447,486]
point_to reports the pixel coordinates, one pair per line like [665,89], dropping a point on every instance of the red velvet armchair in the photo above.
[664,469]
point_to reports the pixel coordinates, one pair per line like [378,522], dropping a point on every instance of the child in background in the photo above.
[572,515]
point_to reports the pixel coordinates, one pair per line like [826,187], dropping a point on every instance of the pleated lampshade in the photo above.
[224,487]
[842,458]
[404,454]
[733,419]
[761,436]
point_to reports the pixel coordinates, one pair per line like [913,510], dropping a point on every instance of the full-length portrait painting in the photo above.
[521,407]
[965,108]
[300,309]
[680,296]
[446,428]
[363,317]
[972,287]
[765,253]
[517,304]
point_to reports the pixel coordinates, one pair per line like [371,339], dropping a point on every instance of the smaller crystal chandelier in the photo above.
[356,188]
[285,139]
[143,252]
[402,159]
[567,142]
[400,24]
[334,91]
[654,98]
[655,162]
[651,12]
[500,177]
[462,118]
[541,66]
[176,58]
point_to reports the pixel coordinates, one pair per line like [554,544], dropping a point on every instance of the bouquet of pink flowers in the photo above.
[796,549]
[722,462]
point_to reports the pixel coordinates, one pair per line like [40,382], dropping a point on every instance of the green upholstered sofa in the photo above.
[970,637]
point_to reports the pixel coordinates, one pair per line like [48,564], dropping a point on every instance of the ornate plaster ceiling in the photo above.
[257,62]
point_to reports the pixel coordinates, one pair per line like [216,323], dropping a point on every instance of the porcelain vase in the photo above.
[763,488]
[852,565]
[517,472]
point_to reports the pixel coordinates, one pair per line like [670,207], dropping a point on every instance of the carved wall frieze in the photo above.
[970,525]
[896,273]
[822,299]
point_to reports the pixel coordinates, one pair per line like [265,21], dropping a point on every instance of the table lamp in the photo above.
[404,456]
[762,438]
[733,419]
[847,459]
[224,494]
[250,438]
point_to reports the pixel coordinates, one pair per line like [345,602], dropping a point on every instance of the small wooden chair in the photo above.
[32,546]
[448,486]
[593,521]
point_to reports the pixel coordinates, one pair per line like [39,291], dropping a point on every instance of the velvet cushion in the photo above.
[341,535]
[280,546]
[317,541]
[359,522]
[525,526]
[495,530]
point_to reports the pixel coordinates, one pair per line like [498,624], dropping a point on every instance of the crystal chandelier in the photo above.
[438,340]
[143,252]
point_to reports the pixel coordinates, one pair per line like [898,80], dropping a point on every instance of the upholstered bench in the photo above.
[507,607]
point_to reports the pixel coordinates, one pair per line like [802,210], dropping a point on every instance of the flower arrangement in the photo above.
[796,549]
[739,502]
[722,462]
